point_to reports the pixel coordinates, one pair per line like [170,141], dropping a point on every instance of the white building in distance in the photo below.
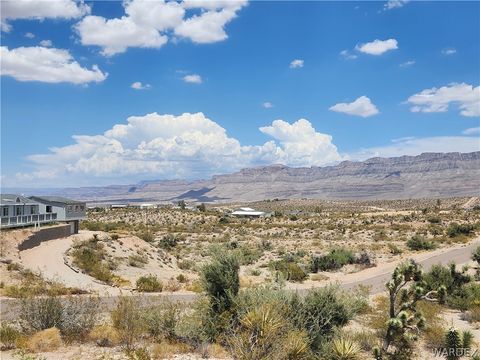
[248,212]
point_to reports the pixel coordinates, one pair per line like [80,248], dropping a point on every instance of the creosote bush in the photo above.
[149,283]
[418,242]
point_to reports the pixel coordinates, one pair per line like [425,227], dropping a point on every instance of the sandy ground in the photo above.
[48,259]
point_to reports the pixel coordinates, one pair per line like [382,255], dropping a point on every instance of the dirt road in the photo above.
[375,278]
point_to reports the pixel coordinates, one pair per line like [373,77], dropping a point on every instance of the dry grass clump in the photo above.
[45,340]
[167,350]
[105,335]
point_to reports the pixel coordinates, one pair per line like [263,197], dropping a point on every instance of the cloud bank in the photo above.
[185,146]
[46,65]
[148,24]
[436,100]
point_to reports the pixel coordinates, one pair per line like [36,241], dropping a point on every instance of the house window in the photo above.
[19,210]
[32,209]
[48,209]
[69,208]
[5,211]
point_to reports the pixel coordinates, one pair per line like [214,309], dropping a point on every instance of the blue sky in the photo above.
[368,78]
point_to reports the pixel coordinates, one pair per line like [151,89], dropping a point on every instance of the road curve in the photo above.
[10,308]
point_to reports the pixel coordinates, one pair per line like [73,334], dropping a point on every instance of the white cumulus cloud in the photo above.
[297,63]
[471,131]
[395,4]
[39,10]
[362,106]
[29,35]
[407,63]
[137,85]
[184,146]
[46,65]
[46,43]
[438,99]
[149,24]
[267,105]
[449,51]
[193,79]
[377,47]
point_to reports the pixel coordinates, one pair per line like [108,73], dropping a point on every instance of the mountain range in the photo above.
[424,176]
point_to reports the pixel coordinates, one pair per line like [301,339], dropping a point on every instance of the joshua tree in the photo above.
[405,320]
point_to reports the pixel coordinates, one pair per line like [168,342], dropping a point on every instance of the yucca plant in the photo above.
[345,349]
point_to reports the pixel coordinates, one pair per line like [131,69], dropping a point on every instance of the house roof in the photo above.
[56,200]
[251,212]
[14,199]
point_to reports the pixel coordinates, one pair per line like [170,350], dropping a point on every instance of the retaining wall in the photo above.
[50,233]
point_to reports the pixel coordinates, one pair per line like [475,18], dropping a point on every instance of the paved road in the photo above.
[9,308]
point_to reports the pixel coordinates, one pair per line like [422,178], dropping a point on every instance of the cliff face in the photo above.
[425,175]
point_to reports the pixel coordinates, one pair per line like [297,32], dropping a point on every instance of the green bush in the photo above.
[476,255]
[126,318]
[146,235]
[221,282]
[168,242]
[8,336]
[290,270]
[149,283]
[89,256]
[161,321]
[323,310]
[418,242]
[334,260]
[137,260]
[455,229]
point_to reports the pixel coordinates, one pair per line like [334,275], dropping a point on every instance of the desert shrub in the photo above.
[172,285]
[476,255]
[473,314]
[181,278]
[161,321]
[73,316]
[105,335]
[126,319]
[89,256]
[289,270]
[394,249]
[79,316]
[149,283]
[146,235]
[457,344]
[221,281]
[323,310]
[434,330]
[138,353]
[41,313]
[9,335]
[114,237]
[447,277]
[455,229]
[465,297]
[364,258]
[45,340]
[418,242]
[168,242]
[223,220]
[334,260]
[248,255]
[137,260]
[434,219]
[186,264]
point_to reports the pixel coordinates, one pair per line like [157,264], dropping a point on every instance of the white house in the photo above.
[248,212]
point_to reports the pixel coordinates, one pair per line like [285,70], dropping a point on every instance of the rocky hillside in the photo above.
[425,175]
